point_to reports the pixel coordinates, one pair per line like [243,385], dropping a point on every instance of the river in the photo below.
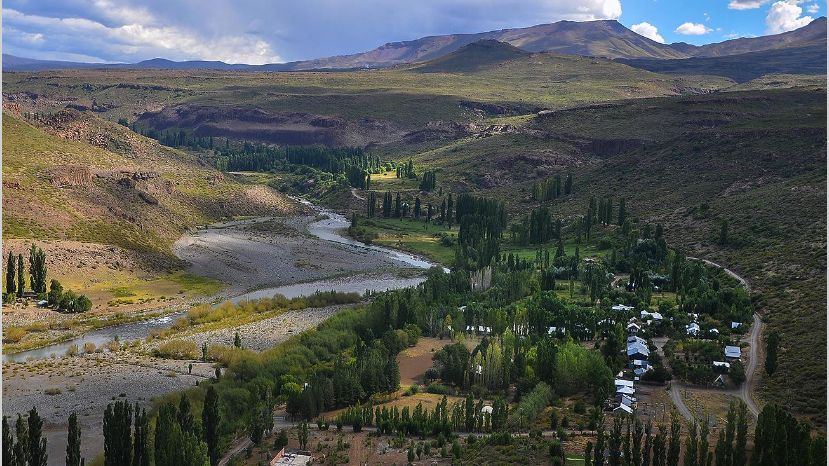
[330,228]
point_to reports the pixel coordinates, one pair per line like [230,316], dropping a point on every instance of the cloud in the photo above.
[785,16]
[813,8]
[648,30]
[137,41]
[693,29]
[258,31]
[746,4]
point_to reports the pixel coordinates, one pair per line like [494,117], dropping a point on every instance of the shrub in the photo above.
[177,349]
[52,391]
[72,350]
[89,347]
[438,389]
[14,334]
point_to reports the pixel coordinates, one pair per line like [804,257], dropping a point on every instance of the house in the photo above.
[621,308]
[733,352]
[633,328]
[486,409]
[622,410]
[692,329]
[556,331]
[645,315]
[626,400]
[478,329]
[637,350]
[290,459]
[625,391]
[721,365]
[736,325]
[637,339]
[714,331]
[640,371]
[623,383]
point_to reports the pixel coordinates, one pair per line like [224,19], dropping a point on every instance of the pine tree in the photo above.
[10,283]
[210,424]
[73,444]
[21,276]
[37,444]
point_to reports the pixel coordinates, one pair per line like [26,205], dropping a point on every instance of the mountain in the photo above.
[743,67]
[813,34]
[473,57]
[604,38]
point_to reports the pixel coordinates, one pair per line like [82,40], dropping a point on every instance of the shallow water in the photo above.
[327,229]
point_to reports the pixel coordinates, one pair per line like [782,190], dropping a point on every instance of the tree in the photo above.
[302,435]
[691,444]
[674,444]
[598,451]
[622,212]
[37,444]
[588,454]
[55,293]
[636,454]
[702,448]
[141,439]
[772,344]
[742,433]
[210,424]
[724,232]
[37,269]
[21,447]
[237,340]
[185,415]
[21,276]
[73,445]
[568,185]
[8,442]
[118,433]
[10,284]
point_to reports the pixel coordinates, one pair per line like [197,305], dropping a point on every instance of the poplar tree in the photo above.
[8,442]
[674,444]
[691,444]
[10,283]
[210,424]
[21,447]
[141,439]
[73,444]
[117,433]
[21,276]
[37,444]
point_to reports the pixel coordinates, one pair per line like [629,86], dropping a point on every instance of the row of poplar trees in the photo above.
[16,272]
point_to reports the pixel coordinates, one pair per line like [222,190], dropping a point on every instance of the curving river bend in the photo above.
[374,269]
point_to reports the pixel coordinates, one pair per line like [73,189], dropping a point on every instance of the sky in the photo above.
[274,31]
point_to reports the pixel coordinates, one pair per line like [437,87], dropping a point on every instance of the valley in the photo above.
[488,248]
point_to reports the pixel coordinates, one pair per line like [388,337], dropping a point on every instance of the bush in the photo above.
[438,389]
[52,391]
[177,349]
[89,347]
[72,350]
[14,334]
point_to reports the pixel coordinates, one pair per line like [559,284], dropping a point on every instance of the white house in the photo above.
[625,391]
[623,383]
[638,351]
[621,308]
[735,325]
[722,364]
[714,331]
[645,315]
[733,352]
[692,328]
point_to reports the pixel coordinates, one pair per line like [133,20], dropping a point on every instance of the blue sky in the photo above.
[265,31]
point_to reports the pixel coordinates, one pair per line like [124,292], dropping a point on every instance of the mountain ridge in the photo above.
[603,38]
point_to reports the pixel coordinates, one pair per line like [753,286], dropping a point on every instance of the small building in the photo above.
[641,371]
[714,331]
[622,410]
[638,351]
[692,329]
[733,352]
[736,325]
[637,339]
[625,391]
[721,365]
[290,459]
[646,315]
[486,409]
[556,331]
[623,383]
[621,308]
[633,328]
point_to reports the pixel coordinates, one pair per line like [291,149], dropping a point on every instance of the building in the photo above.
[733,352]
[736,325]
[637,350]
[622,410]
[692,329]
[721,365]
[633,328]
[290,459]
[621,308]
[646,316]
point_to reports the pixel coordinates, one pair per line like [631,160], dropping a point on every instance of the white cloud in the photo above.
[146,41]
[746,4]
[813,8]
[648,30]
[785,16]
[693,29]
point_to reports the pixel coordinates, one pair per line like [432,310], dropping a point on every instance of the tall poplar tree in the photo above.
[73,443]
